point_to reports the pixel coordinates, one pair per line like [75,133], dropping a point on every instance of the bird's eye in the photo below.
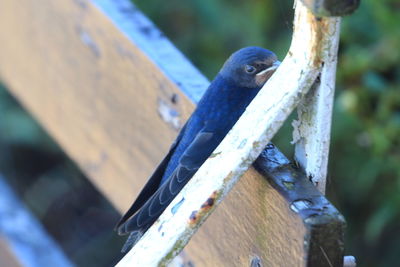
[250,69]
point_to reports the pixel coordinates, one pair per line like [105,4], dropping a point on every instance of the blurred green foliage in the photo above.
[208,31]
[364,176]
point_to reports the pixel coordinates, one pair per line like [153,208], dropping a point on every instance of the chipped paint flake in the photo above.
[169,114]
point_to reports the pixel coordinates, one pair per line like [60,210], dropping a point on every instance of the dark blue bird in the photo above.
[227,97]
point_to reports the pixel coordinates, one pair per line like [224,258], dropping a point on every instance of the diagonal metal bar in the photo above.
[312,130]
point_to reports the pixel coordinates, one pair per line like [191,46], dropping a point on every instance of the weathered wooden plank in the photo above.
[93,90]
[324,239]
[262,226]
[79,71]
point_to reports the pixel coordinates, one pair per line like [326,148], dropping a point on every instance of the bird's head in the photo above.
[250,67]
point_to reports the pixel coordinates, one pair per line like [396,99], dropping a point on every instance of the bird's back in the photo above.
[218,110]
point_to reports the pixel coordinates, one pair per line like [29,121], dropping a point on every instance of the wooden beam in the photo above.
[114,106]
[284,195]
[109,106]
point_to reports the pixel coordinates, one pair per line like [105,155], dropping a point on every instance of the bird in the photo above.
[233,88]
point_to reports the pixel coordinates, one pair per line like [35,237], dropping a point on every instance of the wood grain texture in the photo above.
[91,88]
[253,220]
[99,96]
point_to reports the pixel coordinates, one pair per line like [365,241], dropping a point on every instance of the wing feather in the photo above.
[196,153]
[153,183]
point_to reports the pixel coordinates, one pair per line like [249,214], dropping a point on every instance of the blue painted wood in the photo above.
[143,33]
[27,238]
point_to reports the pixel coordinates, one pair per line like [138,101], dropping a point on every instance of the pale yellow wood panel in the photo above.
[98,95]
[92,89]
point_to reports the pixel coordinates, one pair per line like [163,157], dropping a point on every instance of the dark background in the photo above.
[364,168]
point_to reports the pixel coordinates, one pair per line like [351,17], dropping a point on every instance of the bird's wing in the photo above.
[193,157]
[153,183]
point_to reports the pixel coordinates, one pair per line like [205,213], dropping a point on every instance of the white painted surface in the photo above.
[312,130]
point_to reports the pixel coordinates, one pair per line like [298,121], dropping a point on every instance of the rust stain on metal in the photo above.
[193,217]
[204,209]
[209,202]
[321,28]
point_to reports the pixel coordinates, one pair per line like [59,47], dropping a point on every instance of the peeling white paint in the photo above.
[169,114]
[312,130]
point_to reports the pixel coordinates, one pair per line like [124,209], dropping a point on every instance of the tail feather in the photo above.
[131,241]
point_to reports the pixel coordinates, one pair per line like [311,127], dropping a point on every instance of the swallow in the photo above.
[225,100]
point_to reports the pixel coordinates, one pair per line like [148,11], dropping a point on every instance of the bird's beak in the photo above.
[264,75]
